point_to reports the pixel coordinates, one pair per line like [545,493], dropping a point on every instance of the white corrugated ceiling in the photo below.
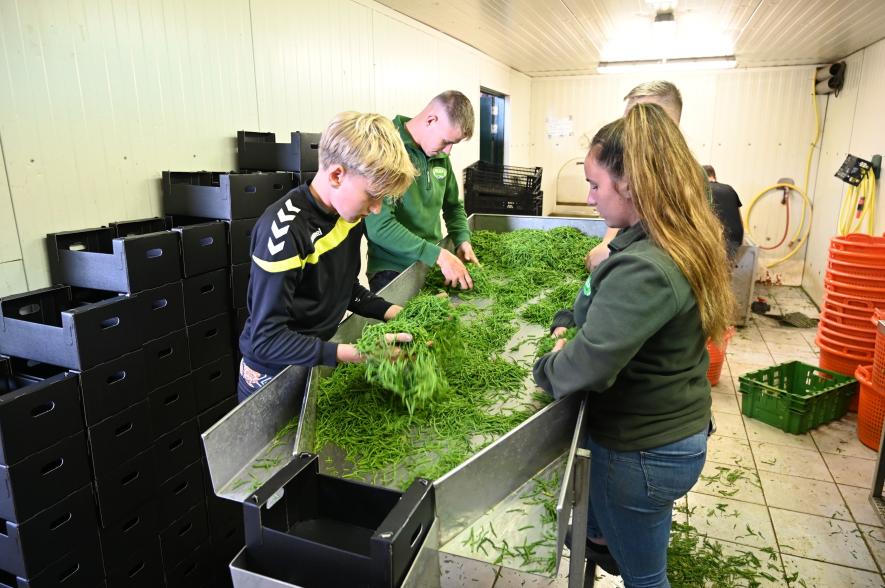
[562,37]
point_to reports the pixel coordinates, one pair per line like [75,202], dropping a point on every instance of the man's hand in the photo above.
[453,270]
[558,332]
[560,343]
[392,312]
[465,253]
[596,256]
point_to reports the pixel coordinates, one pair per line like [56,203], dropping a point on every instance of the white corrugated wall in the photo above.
[854,124]
[98,97]
[754,126]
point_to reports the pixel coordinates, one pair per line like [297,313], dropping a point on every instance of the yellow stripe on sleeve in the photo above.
[326,243]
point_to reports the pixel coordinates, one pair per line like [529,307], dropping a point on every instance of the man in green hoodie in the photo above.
[408,230]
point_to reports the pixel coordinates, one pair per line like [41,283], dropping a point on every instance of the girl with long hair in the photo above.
[643,318]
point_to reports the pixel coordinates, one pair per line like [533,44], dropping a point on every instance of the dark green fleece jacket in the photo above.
[640,350]
[407,230]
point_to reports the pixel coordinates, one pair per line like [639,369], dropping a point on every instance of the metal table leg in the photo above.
[580,572]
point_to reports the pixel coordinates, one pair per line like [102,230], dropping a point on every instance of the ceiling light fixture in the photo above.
[680,64]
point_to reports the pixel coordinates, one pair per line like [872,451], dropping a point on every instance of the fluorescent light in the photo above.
[681,64]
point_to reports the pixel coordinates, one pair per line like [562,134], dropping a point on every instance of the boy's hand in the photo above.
[349,353]
[392,312]
[453,270]
[465,253]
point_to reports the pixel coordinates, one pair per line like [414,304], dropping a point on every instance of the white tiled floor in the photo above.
[804,495]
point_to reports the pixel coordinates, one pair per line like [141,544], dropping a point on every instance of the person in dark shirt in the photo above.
[727,206]
[639,354]
[306,253]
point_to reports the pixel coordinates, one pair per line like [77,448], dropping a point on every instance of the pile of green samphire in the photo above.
[451,392]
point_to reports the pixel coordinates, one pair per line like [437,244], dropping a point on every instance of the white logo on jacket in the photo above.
[279,231]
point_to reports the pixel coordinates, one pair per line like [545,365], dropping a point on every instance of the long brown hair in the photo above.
[669,191]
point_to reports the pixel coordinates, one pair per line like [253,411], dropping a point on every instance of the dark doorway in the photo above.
[492,117]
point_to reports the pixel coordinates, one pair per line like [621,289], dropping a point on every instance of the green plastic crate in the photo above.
[795,396]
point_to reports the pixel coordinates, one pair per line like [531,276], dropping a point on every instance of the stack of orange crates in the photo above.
[855,288]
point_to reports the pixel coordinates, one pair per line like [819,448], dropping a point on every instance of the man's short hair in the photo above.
[458,109]
[666,91]
[711,173]
[369,145]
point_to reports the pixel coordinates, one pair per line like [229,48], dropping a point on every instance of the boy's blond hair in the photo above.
[369,145]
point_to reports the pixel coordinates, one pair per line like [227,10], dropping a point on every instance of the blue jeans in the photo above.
[631,503]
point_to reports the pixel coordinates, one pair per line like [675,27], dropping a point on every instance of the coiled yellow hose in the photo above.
[801,234]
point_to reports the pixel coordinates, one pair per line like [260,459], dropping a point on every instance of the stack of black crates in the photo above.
[502,189]
[107,381]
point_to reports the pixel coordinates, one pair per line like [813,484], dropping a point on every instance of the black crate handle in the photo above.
[207,289]
[171,398]
[207,241]
[42,409]
[159,304]
[109,323]
[130,524]
[135,569]
[116,378]
[61,521]
[52,466]
[154,253]
[67,574]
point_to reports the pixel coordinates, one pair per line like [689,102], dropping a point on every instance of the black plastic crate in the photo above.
[204,245]
[505,180]
[141,226]
[48,325]
[172,405]
[133,533]
[214,382]
[183,536]
[239,284]
[176,449]
[166,359]
[195,570]
[206,295]
[212,415]
[43,479]
[120,437]
[328,531]
[209,340]
[160,311]
[240,240]
[35,412]
[142,568]
[96,258]
[528,204]
[225,196]
[113,386]
[81,567]
[28,548]
[179,493]
[260,151]
[124,489]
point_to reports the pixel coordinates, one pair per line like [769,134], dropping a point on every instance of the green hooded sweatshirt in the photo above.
[407,230]
[640,350]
